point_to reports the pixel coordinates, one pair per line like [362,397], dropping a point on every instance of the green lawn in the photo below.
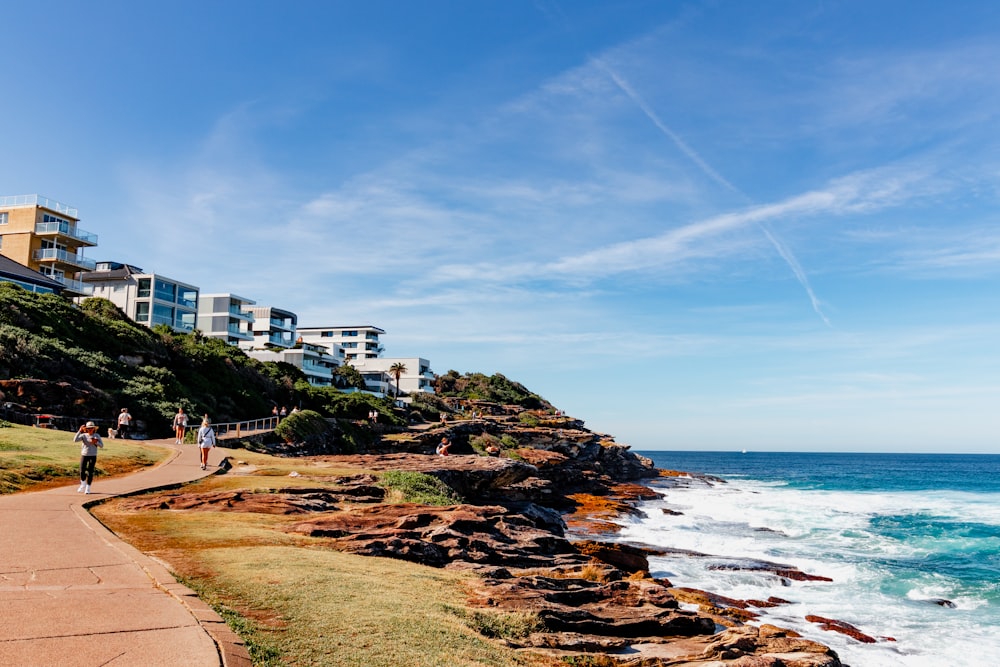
[36,458]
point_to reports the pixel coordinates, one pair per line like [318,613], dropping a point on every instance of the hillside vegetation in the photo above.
[87,361]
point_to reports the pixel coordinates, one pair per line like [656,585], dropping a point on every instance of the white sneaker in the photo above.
[81,487]
[86,488]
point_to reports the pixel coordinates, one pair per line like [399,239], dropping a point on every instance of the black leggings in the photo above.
[87,465]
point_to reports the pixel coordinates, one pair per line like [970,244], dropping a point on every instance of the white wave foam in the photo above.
[830,533]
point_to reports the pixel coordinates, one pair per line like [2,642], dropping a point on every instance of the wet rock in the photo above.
[833,625]
[777,569]
[622,556]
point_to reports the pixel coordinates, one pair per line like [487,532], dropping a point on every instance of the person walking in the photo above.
[91,439]
[180,425]
[124,424]
[206,440]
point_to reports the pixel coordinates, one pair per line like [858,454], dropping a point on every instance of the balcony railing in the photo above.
[66,229]
[63,256]
[77,286]
[38,200]
[277,339]
[242,314]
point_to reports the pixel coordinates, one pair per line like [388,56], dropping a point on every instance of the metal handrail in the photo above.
[235,430]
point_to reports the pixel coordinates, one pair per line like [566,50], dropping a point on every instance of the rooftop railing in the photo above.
[38,200]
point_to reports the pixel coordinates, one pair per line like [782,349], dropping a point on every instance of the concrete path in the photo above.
[73,594]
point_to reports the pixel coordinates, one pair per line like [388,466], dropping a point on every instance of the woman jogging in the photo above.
[206,440]
[91,440]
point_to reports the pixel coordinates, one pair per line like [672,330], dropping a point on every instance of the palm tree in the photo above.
[396,370]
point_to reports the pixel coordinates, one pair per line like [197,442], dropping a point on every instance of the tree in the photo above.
[396,370]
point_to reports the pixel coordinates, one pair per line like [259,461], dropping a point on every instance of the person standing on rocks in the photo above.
[206,440]
[91,439]
[180,424]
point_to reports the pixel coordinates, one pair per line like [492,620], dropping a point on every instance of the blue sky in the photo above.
[695,225]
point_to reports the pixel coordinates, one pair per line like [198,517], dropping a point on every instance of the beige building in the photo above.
[43,235]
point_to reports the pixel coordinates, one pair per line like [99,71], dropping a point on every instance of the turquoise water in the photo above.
[898,534]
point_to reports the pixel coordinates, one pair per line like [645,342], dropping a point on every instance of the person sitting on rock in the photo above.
[442,449]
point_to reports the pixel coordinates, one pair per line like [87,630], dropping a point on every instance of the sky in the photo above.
[693,224]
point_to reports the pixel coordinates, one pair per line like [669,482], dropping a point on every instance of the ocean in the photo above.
[911,542]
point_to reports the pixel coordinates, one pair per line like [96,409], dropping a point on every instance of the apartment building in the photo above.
[272,327]
[315,361]
[226,316]
[357,342]
[33,281]
[416,378]
[42,234]
[147,298]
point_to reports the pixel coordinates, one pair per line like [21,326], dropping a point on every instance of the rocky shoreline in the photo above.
[536,525]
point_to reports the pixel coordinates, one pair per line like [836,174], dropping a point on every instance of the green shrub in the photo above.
[300,426]
[528,419]
[417,487]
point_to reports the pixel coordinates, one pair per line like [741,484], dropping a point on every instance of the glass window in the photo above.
[165,291]
[326,334]
[185,321]
[3,218]
[349,333]
[163,315]
[187,297]
[142,311]
[143,288]
[350,344]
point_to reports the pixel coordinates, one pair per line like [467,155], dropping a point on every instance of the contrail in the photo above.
[692,155]
[683,147]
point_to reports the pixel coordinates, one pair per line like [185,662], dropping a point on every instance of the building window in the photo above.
[350,345]
[163,315]
[347,334]
[143,292]
[187,297]
[326,334]
[165,291]
[142,311]
[51,218]
[3,218]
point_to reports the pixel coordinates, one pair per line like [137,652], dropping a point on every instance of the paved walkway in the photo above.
[73,594]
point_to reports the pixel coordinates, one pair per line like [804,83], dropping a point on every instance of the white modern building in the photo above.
[272,327]
[147,298]
[358,342]
[226,316]
[415,379]
[315,362]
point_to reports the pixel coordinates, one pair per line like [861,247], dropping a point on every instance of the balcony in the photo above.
[78,286]
[56,255]
[67,230]
[235,331]
[236,311]
[280,340]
